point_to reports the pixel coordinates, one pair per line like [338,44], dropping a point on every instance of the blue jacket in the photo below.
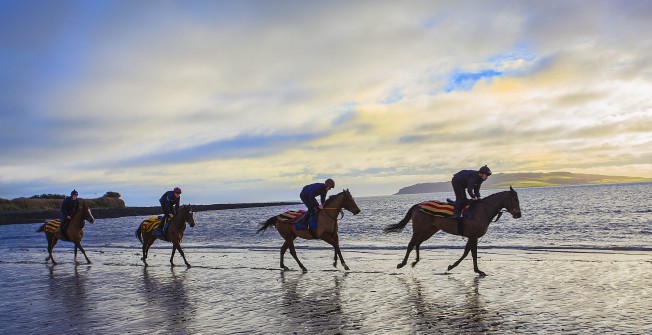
[471,180]
[167,201]
[69,207]
[316,189]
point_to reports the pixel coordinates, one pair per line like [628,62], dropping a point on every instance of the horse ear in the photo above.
[510,188]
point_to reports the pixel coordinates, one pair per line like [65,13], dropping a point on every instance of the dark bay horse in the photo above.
[326,227]
[74,233]
[425,225]
[174,233]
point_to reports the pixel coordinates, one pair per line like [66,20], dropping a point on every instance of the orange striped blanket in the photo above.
[151,223]
[437,208]
[290,216]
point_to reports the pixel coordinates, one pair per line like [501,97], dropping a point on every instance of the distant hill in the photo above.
[52,204]
[522,180]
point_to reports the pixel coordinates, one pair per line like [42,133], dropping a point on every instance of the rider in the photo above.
[471,181]
[308,194]
[69,206]
[170,204]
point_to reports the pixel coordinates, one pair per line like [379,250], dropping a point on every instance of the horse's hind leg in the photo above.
[284,248]
[467,248]
[51,243]
[293,252]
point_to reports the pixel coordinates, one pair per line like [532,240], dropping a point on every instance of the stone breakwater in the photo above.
[34,216]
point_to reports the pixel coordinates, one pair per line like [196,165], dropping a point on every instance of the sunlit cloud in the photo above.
[251,100]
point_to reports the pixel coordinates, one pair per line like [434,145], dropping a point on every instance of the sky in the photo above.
[248,101]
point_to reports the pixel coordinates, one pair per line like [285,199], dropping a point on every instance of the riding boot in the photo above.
[312,232]
[63,228]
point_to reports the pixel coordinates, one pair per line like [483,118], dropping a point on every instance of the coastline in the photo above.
[35,216]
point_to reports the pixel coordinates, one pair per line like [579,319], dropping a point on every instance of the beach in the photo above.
[566,267]
[235,291]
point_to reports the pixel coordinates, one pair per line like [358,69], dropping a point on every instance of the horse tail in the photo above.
[139,232]
[395,228]
[270,222]
[41,228]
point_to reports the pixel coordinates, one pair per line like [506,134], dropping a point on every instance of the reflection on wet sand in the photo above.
[447,313]
[169,298]
[313,306]
[70,303]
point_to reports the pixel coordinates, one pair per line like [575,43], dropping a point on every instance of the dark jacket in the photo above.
[169,203]
[316,189]
[471,180]
[69,207]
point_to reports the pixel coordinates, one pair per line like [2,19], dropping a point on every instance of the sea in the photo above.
[587,217]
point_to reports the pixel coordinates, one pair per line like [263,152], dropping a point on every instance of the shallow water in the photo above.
[579,261]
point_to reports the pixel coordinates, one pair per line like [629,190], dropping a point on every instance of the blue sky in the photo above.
[244,101]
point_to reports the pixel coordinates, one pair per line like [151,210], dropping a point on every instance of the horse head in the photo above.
[86,213]
[189,218]
[513,206]
[349,203]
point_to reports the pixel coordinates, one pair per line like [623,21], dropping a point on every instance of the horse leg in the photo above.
[407,254]
[293,252]
[333,241]
[284,248]
[474,253]
[467,248]
[147,242]
[417,250]
[178,246]
[51,243]
[174,249]
[78,245]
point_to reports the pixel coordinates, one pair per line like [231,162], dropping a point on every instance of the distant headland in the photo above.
[523,180]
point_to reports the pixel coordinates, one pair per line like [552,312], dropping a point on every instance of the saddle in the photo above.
[54,227]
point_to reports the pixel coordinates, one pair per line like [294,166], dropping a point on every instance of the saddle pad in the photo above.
[52,226]
[290,216]
[151,223]
[436,208]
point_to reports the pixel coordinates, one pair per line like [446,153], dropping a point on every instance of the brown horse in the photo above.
[425,225]
[73,234]
[174,233]
[326,227]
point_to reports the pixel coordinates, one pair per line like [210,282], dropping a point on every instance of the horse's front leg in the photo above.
[78,245]
[333,241]
[467,248]
[293,252]
[284,248]
[178,246]
[410,246]
[474,253]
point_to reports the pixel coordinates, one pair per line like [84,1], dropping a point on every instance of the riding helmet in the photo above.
[177,190]
[330,183]
[74,192]
[485,170]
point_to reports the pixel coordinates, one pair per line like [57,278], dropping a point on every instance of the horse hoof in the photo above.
[414,264]
[335,265]
[285,268]
[450,267]
[346,268]
[188,266]
[481,274]
[400,265]
[304,270]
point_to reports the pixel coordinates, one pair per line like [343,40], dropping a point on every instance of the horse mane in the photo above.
[332,197]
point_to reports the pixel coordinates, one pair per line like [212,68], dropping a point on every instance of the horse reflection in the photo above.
[447,314]
[68,300]
[167,300]
[313,306]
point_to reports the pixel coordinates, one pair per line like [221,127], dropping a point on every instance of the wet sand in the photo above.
[235,291]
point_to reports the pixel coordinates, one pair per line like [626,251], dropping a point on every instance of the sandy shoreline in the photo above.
[241,291]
